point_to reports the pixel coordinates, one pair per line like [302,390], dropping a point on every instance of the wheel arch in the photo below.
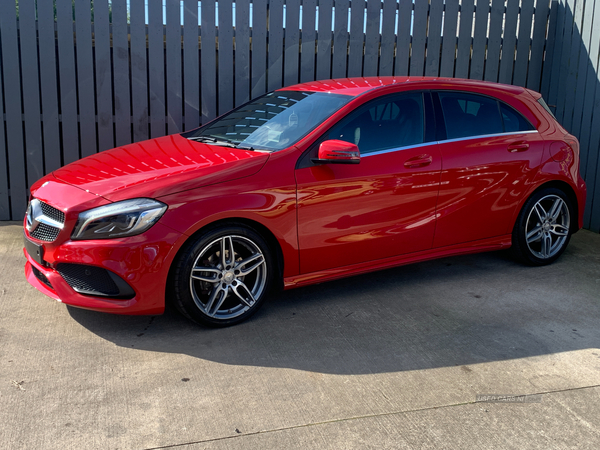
[258,227]
[569,192]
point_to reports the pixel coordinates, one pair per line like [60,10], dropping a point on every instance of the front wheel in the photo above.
[222,277]
[543,228]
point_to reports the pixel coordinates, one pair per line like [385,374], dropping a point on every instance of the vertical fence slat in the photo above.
[85,78]
[68,85]
[492,63]
[434,39]
[226,80]
[156,68]
[463,51]
[372,38]
[388,38]
[449,39]
[208,60]
[275,53]
[509,39]
[479,40]
[590,137]
[592,176]
[259,48]
[139,73]
[5,213]
[523,44]
[103,75]
[49,87]
[121,73]
[174,78]
[31,94]
[191,75]
[540,25]
[417,57]
[242,51]
[324,34]
[403,37]
[340,39]
[356,39]
[584,61]
[14,124]
[591,87]
[308,38]
[554,71]
[551,47]
[565,60]
[571,80]
[292,42]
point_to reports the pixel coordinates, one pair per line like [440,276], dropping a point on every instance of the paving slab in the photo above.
[390,359]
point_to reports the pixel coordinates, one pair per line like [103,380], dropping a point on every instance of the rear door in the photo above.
[382,207]
[490,153]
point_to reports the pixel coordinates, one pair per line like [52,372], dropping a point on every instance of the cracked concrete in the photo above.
[392,359]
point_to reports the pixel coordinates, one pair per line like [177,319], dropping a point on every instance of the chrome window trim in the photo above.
[397,149]
[507,133]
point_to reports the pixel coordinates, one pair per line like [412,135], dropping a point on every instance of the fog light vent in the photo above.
[40,276]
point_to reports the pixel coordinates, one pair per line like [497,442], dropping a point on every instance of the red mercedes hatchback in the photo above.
[305,184]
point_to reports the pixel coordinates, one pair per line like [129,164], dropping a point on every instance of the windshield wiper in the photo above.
[213,140]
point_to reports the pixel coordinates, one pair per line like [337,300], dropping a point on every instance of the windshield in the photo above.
[272,122]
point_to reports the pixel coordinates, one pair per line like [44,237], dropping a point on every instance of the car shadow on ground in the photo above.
[453,311]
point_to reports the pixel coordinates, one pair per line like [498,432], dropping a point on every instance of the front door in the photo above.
[384,206]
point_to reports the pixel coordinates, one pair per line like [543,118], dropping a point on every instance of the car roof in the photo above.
[360,85]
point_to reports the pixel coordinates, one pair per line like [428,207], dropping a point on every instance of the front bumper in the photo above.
[142,261]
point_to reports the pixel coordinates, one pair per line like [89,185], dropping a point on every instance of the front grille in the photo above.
[52,212]
[47,216]
[40,276]
[45,232]
[93,280]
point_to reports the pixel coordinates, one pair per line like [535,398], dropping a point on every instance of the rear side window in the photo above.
[469,115]
[390,122]
[514,121]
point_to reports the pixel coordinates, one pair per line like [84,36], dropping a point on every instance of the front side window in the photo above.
[272,122]
[391,122]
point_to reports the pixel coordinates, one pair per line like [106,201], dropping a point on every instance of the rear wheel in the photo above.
[222,277]
[543,228]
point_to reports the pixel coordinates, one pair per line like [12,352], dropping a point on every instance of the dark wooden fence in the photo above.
[72,86]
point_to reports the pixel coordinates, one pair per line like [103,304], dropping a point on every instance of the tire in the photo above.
[543,228]
[228,290]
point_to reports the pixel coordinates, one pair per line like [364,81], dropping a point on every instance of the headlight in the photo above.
[126,218]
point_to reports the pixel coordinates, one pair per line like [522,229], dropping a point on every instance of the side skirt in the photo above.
[483,245]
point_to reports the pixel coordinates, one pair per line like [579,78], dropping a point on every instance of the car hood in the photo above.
[159,167]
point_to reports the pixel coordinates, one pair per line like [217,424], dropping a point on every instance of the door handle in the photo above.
[418,161]
[520,146]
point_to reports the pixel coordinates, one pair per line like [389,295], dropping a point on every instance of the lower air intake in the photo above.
[92,280]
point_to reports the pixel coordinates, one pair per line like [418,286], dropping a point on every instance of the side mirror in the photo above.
[337,152]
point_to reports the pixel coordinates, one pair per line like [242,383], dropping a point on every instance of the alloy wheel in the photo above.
[547,226]
[227,277]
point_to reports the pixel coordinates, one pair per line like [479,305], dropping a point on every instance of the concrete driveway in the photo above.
[393,359]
